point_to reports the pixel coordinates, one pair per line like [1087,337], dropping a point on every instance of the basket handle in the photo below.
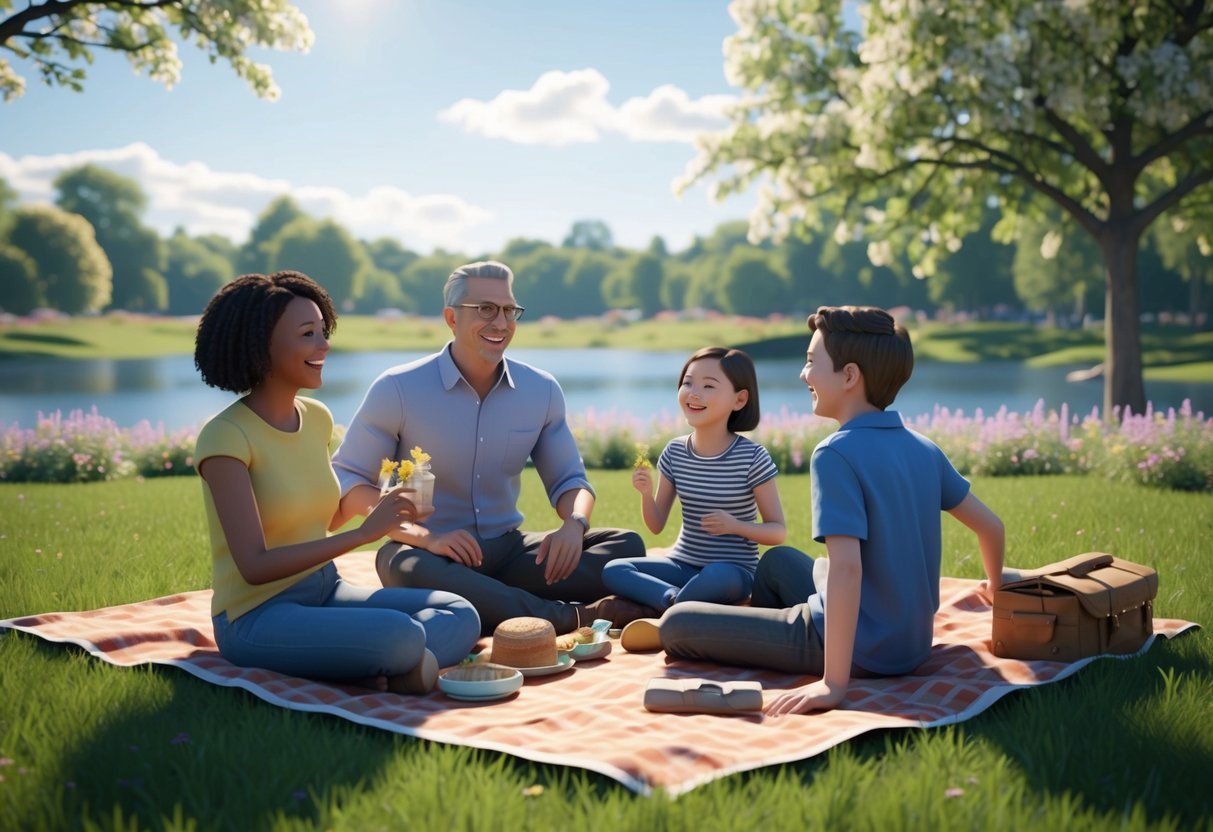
[1077,566]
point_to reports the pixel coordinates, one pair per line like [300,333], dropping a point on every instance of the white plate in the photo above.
[565,662]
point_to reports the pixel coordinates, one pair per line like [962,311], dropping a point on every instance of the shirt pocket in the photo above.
[518,447]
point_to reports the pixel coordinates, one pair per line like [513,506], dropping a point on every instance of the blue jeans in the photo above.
[662,582]
[323,627]
[775,632]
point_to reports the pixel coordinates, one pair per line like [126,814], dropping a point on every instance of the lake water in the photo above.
[167,390]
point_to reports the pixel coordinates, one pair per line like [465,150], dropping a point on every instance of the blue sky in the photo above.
[445,123]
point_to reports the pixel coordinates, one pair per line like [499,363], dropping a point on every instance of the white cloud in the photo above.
[205,201]
[571,107]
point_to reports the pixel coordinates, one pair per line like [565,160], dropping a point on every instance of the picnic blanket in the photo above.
[591,716]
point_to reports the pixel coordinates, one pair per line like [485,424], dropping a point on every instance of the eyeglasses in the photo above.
[488,311]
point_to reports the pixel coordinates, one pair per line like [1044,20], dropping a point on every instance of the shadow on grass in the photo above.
[1103,736]
[179,753]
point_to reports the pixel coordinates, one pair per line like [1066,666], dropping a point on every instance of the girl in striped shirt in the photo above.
[724,483]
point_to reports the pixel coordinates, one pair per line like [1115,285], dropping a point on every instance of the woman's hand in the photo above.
[394,507]
[642,481]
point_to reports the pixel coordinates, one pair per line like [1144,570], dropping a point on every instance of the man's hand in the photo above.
[460,546]
[561,549]
[816,696]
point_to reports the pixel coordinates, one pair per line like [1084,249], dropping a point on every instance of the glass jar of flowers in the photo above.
[412,473]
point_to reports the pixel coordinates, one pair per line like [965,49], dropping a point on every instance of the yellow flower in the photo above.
[642,456]
[386,468]
[404,470]
[419,456]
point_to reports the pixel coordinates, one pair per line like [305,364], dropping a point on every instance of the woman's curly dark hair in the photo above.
[232,343]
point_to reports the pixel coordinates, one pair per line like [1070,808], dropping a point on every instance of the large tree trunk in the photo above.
[1123,384]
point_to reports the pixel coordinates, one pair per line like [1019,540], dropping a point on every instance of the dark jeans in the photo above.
[508,583]
[775,632]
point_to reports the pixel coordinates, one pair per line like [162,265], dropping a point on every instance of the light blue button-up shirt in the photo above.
[478,448]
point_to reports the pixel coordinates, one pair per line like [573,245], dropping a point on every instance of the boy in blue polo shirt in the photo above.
[878,490]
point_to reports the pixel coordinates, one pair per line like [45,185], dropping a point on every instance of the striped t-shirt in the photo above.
[705,484]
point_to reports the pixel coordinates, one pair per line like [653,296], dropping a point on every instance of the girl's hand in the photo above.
[642,481]
[393,508]
[718,522]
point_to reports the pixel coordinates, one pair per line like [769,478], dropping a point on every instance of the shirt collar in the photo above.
[876,419]
[451,376]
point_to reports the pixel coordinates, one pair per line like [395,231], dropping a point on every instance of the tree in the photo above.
[1188,250]
[1057,274]
[113,204]
[1104,109]
[541,282]
[255,255]
[194,273]
[592,234]
[20,293]
[752,282]
[59,37]
[387,254]
[72,269]
[325,252]
[978,277]
[586,274]
[636,284]
[425,277]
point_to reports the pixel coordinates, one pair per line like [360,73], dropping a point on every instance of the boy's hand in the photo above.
[816,696]
[642,481]
[985,593]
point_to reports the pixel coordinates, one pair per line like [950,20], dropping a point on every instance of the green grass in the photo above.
[1126,744]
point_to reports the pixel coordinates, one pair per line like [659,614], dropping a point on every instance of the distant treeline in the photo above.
[91,252]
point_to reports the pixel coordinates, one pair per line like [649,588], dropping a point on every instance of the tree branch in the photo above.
[1147,215]
[1081,149]
[15,24]
[1202,125]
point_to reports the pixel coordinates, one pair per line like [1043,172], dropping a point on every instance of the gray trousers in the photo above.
[774,632]
[508,583]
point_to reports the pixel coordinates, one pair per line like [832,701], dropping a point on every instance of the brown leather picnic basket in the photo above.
[1085,606]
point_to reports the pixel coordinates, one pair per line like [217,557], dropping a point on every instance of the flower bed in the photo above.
[1171,449]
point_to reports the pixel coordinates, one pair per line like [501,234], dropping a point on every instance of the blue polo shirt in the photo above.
[477,447]
[876,480]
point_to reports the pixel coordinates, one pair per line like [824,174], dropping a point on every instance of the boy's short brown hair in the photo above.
[868,337]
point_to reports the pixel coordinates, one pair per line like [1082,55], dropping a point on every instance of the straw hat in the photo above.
[524,642]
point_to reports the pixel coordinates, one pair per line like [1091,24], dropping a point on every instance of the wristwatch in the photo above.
[582,519]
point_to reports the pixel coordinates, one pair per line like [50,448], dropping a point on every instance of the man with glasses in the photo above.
[480,416]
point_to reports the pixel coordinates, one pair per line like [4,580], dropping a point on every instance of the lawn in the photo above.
[1126,744]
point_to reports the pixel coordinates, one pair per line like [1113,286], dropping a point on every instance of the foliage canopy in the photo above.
[907,127]
[59,38]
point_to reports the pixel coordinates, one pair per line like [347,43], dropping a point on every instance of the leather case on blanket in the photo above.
[702,696]
[1090,604]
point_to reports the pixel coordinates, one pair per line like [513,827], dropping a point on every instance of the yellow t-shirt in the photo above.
[294,484]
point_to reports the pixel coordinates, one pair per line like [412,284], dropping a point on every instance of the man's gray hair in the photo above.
[456,288]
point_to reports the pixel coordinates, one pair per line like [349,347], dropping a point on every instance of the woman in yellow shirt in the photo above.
[272,498]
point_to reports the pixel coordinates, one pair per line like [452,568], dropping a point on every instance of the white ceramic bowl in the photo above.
[482,681]
[591,651]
